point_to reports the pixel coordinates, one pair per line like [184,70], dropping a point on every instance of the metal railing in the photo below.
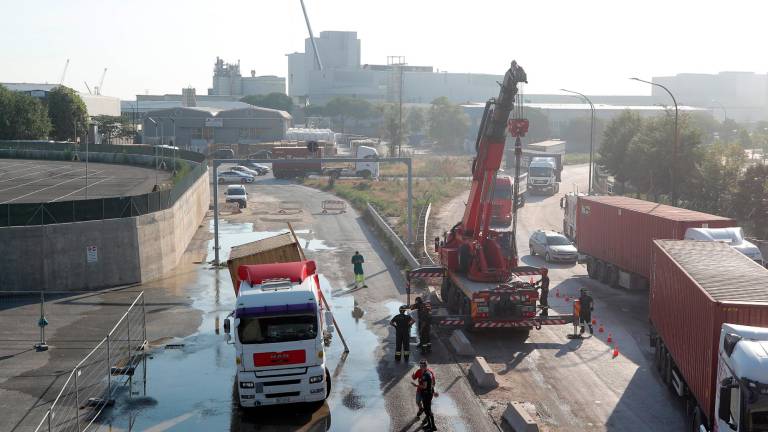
[94,381]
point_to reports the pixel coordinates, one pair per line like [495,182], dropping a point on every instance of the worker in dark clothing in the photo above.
[426,388]
[585,311]
[424,310]
[402,324]
[357,267]
[544,297]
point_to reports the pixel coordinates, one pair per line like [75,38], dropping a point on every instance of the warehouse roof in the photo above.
[724,273]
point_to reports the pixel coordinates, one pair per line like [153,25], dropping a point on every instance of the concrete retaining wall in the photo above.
[128,250]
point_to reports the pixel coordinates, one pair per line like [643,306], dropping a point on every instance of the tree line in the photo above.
[713,173]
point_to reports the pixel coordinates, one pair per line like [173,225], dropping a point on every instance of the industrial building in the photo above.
[740,96]
[96,105]
[199,128]
[342,74]
[227,81]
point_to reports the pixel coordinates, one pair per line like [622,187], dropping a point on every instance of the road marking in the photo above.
[78,190]
[39,180]
[31,174]
[53,186]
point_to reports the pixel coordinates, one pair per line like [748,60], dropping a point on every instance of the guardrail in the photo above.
[396,241]
[425,223]
[92,384]
[9,146]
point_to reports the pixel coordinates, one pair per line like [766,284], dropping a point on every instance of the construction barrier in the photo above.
[286,207]
[334,205]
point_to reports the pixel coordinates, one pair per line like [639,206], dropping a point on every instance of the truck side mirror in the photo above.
[227,326]
[562,202]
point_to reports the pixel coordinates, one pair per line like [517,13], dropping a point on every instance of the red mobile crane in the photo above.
[481,280]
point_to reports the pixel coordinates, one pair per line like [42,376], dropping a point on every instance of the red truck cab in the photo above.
[501,207]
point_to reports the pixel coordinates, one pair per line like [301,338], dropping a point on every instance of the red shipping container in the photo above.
[697,286]
[620,230]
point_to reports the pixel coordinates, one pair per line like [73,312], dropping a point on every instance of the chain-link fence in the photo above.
[115,362]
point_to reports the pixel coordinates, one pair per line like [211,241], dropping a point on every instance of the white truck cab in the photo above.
[367,169]
[733,236]
[568,204]
[741,400]
[277,331]
[542,175]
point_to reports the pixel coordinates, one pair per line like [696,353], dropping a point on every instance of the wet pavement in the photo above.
[191,387]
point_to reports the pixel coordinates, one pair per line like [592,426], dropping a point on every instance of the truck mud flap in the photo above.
[532,323]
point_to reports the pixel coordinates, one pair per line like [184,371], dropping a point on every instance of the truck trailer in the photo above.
[708,314]
[616,233]
[294,162]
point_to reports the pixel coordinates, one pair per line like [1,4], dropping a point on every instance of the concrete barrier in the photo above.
[461,344]
[517,417]
[482,373]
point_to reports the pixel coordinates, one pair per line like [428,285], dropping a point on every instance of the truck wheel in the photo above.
[605,274]
[445,290]
[696,419]
[556,188]
[591,268]
[464,258]
[327,383]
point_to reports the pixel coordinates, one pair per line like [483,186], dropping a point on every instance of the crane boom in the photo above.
[471,246]
[101,82]
[64,73]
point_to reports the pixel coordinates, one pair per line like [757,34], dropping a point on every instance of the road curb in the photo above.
[518,418]
[460,344]
[482,373]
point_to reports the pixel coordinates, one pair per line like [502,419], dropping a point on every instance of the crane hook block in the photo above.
[517,127]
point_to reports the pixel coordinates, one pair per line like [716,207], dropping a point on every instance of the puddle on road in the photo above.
[192,387]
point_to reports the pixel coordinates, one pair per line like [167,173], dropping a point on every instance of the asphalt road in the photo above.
[36,181]
[191,388]
[577,385]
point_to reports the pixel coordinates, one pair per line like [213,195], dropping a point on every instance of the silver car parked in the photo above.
[553,246]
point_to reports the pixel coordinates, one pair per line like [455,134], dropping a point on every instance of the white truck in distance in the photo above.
[542,175]
[359,169]
[277,331]
[734,237]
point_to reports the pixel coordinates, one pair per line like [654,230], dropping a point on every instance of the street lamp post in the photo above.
[676,139]
[155,147]
[725,111]
[591,135]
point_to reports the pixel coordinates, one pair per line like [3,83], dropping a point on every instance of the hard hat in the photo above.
[422,362]
[418,300]
[403,308]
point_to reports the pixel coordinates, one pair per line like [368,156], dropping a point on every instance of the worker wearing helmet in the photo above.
[357,268]
[585,310]
[402,324]
[424,310]
[544,296]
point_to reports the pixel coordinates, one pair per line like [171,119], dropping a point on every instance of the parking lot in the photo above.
[36,181]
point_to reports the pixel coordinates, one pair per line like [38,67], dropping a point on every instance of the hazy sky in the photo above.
[589,46]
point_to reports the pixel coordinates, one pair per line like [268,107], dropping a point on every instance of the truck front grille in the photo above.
[283,382]
[279,395]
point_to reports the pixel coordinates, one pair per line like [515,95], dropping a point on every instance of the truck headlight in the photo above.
[246,384]
[316,379]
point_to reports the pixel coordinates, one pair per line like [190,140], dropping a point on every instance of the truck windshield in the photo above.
[539,171]
[252,330]
[502,191]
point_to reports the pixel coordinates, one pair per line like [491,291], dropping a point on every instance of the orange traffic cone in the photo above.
[594,321]
[610,338]
[615,351]
[601,329]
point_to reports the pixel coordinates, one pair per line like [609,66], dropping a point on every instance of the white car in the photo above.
[246,170]
[553,246]
[235,177]
[237,194]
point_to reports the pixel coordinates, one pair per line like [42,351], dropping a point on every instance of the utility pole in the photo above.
[591,135]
